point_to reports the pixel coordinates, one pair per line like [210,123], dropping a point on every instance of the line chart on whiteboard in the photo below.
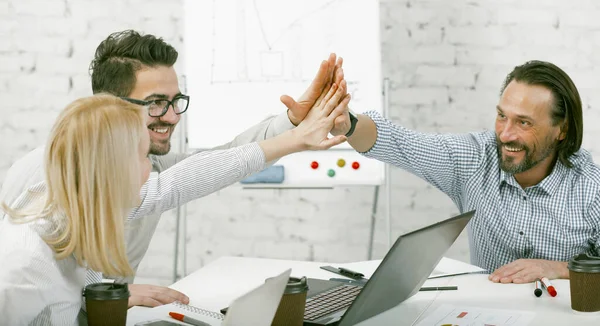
[250,52]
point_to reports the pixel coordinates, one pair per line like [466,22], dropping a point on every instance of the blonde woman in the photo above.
[96,164]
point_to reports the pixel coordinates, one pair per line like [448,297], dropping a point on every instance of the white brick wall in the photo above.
[445,59]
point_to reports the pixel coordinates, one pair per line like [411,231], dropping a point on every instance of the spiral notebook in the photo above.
[256,307]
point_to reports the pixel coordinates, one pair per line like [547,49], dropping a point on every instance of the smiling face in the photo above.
[525,136]
[153,83]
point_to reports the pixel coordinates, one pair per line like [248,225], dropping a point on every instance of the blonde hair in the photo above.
[93,180]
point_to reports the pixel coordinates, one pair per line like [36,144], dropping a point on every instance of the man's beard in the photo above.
[160,149]
[529,161]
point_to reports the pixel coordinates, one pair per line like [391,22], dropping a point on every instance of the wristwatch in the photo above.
[353,121]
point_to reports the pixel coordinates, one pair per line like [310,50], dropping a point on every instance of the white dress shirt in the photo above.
[35,288]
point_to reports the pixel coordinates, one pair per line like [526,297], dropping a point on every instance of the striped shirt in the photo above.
[553,220]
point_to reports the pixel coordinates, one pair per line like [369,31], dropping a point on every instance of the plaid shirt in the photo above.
[553,220]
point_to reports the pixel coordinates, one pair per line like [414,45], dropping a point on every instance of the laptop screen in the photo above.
[405,268]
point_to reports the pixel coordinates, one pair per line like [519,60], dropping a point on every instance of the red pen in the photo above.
[549,287]
[187,319]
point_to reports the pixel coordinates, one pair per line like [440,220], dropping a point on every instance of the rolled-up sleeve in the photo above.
[444,160]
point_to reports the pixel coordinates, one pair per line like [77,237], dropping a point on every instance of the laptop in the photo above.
[400,275]
[256,307]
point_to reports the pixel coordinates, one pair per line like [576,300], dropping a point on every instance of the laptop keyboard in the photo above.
[330,301]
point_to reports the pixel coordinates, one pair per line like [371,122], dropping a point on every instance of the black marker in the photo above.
[439,288]
[538,288]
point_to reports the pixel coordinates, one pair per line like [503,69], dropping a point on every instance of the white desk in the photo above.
[217,284]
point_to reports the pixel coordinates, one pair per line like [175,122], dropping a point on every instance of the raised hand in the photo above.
[329,72]
[341,125]
[312,133]
[315,128]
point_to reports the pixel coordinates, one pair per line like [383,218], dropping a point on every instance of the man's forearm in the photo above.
[279,146]
[365,134]
[563,269]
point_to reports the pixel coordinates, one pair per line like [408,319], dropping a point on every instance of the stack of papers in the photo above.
[449,315]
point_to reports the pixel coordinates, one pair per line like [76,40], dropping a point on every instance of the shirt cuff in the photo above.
[384,135]
[282,123]
[252,158]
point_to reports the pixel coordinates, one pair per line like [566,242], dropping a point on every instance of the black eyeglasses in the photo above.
[159,107]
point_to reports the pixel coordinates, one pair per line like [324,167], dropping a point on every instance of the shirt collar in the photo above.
[549,184]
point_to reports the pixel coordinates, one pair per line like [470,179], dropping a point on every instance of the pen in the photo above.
[538,288]
[187,319]
[457,274]
[549,287]
[439,288]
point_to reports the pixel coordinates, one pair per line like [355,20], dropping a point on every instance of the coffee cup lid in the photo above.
[106,291]
[296,285]
[584,263]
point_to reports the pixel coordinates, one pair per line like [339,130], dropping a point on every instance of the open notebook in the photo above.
[256,307]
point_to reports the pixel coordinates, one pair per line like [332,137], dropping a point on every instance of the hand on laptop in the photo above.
[152,295]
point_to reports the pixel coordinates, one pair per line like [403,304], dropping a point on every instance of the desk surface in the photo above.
[217,284]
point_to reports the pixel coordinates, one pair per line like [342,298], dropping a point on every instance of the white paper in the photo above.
[449,267]
[473,316]
[445,267]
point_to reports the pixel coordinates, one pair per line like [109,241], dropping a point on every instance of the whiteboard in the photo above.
[242,55]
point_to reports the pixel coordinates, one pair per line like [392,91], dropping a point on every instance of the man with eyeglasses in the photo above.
[139,68]
[157,108]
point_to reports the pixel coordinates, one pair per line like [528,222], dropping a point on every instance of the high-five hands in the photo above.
[314,129]
[330,72]
[312,133]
